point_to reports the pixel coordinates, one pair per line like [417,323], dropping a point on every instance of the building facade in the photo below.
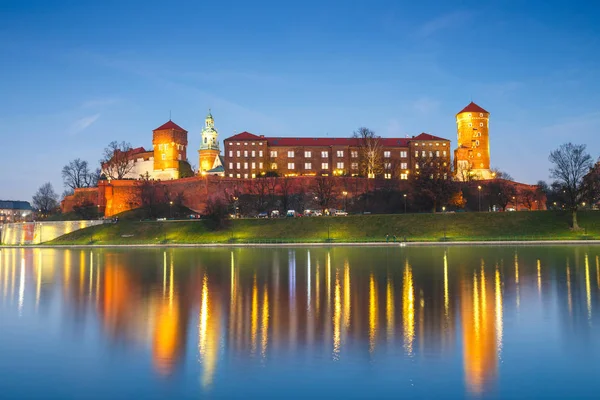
[209,160]
[472,155]
[247,156]
[15,211]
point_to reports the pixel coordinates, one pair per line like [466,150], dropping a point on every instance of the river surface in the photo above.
[369,322]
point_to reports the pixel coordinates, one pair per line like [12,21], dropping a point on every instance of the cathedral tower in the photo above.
[209,146]
[472,156]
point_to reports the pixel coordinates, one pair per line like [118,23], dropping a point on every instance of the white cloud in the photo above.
[426,105]
[442,22]
[83,123]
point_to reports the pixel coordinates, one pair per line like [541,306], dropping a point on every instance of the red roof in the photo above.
[245,136]
[427,136]
[327,141]
[170,125]
[472,107]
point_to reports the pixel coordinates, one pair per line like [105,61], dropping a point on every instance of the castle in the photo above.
[247,156]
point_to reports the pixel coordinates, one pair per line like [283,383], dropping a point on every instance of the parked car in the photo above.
[262,215]
[291,213]
[275,214]
[340,213]
[317,213]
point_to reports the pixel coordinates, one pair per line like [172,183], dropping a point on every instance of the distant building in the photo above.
[248,155]
[15,211]
[167,160]
[472,155]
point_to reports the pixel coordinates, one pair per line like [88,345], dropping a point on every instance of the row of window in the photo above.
[308,153]
[308,165]
[245,144]
[253,153]
[430,143]
[431,153]
[480,124]
[164,156]
[386,176]
[165,146]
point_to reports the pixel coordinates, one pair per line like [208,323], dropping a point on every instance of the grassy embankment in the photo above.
[540,225]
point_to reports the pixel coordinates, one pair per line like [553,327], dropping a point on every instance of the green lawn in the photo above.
[535,225]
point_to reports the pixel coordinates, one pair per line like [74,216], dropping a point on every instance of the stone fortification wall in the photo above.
[40,232]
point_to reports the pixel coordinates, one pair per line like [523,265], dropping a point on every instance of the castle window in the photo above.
[387,176]
[237,175]
[230,165]
[416,144]
[253,152]
[470,115]
[416,153]
[231,144]
[354,165]
[237,153]
[274,166]
[245,144]
[253,165]
[340,153]
[307,165]
[403,154]
[253,175]
[437,153]
[481,124]
[470,124]
[291,165]
[290,154]
[423,153]
[340,165]
[477,142]
[253,144]
[481,114]
[387,165]
[205,139]
[307,154]
[403,165]
[245,165]
[324,165]
[260,153]
[404,176]
[260,165]
[273,153]
[260,143]
[179,156]
[354,154]
[230,175]
[164,156]
[237,144]
[431,154]
[324,154]
[437,144]
[478,154]
[237,165]
[245,176]
[386,154]
[245,153]
[160,146]
[444,144]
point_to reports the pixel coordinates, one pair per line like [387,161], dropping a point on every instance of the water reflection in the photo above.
[254,304]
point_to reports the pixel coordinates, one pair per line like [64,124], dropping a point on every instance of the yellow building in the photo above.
[209,159]
[472,155]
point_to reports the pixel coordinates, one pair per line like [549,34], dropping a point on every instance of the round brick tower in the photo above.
[472,156]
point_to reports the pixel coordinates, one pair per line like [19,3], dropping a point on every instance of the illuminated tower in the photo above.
[209,146]
[472,156]
[170,144]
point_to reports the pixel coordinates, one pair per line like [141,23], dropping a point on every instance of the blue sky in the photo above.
[76,75]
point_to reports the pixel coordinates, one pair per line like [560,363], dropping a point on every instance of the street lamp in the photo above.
[444,218]
[479,192]
[171,209]
[404,203]
[515,201]
[345,198]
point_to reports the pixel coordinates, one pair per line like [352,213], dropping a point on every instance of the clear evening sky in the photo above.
[75,75]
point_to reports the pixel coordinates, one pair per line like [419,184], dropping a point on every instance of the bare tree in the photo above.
[323,189]
[529,198]
[571,164]
[370,164]
[433,181]
[116,162]
[45,199]
[76,174]
[501,192]
[496,173]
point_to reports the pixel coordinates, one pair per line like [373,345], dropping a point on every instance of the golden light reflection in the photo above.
[337,317]
[208,334]
[67,271]
[518,294]
[372,313]
[38,279]
[254,315]
[480,341]
[408,309]
[22,286]
[598,271]
[499,312]
[446,293]
[81,271]
[308,281]
[328,277]
[91,274]
[265,323]
[389,309]
[347,303]
[588,290]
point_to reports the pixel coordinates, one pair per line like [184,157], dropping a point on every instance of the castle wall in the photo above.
[40,232]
